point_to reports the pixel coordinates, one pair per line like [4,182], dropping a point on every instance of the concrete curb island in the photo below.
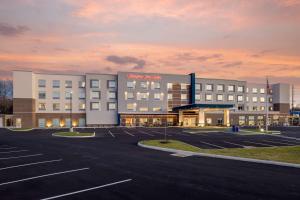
[90,136]
[190,153]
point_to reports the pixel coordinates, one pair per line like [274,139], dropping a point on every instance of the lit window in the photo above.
[230,97]
[56,106]
[95,105]
[42,95]
[247,90]
[262,90]
[94,84]
[81,106]
[67,106]
[142,96]
[157,96]
[56,95]
[170,96]
[42,83]
[68,95]
[220,97]
[111,84]
[183,96]
[262,99]
[55,83]
[155,85]
[95,94]
[198,97]
[81,84]
[131,106]
[129,95]
[231,88]
[208,97]
[262,108]
[81,94]
[155,109]
[68,84]
[198,86]
[183,86]
[144,85]
[208,87]
[42,106]
[254,99]
[220,87]
[247,99]
[240,98]
[130,84]
[112,95]
[170,86]
[143,109]
[254,90]
[270,99]
[111,106]
[240,89]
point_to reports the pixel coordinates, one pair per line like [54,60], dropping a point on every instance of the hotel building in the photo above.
[143,99]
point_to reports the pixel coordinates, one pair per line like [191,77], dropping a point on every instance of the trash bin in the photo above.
[233,128]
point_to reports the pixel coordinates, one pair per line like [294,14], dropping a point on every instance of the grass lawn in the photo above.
[290,154]
[20,129]
[72,134]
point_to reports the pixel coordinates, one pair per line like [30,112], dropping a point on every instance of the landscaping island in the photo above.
[73,134]
[289,154]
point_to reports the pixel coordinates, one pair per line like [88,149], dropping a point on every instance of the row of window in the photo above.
[143,96]
[81,106]
[81,84]
[133,107]
[81,95]
[56,122]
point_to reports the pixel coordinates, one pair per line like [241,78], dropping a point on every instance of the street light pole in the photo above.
[71,125]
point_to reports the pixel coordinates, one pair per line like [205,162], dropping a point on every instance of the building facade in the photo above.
[143,99]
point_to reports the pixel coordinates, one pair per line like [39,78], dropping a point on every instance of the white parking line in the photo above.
[88,189]
[45,175]
[234,144]
[260,143]
[275,142]
[111,133]
[29,164]
[212,145]
[13,151]
[14,157]
[128,133]
[145,133]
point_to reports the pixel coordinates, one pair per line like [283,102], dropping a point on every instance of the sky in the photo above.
[232,39]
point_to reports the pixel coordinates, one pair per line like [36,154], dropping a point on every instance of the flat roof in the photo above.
[196,105]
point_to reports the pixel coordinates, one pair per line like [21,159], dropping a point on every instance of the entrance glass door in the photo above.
[189,121]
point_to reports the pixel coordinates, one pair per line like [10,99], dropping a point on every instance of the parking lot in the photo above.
[35,165]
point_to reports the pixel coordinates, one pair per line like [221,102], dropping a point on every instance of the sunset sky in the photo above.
[232,39]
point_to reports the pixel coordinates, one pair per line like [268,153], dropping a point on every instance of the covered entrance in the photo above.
[194,114]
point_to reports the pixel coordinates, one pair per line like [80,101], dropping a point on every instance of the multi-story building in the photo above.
[143,99]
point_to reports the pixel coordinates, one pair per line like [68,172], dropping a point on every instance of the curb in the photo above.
[189,153]
[53,134]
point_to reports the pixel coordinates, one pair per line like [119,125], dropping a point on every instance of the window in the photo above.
[270,99]
[111,106]
[143,109]
[56,106]
[55,95]
[55,122]
[183,86]
[240,98]
[129,95]
[262,90]
[220,87]
[142,96]
[112,95]
[198,97]
[254,108]
[231,88]
[155,109]
[230,97]
[95,106]
[254,90]
[242,120]
[131,106]
[68,84]
[208,87]
[247,99]
[42,122]
[271,108]
[262,108]
[254,99]
[42,95]
[144,85]
[240,89]
[111,84]
[262,99]
[251,121]
[95,94]
[155,85]
[67,106]
[55,83]
[94,84]
[170,86]
[81,94]
[131,84]
[208,97]
[219,97]
[198,86]
[240,107]
[170,96]
[81,84]
[81,122]
[68,95]
[81,106]
[42,83]
[157,96]
[247,90]
[42,106]
[183,96]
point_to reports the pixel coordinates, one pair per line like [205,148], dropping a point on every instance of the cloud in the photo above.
[124,60]
[11,31]
[232,64]
[191,57]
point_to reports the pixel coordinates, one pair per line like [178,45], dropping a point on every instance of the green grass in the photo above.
[20,129]
[72,134]
[290,154]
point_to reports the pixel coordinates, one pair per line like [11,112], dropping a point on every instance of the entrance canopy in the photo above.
[198,106]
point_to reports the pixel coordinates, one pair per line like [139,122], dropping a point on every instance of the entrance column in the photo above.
[226,117]
[201,118]
[180,118]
